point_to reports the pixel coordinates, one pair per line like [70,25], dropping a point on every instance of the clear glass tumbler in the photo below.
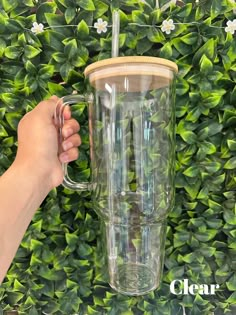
[132,149]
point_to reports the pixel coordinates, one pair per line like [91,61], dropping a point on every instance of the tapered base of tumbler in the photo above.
[135,256]
[133,279]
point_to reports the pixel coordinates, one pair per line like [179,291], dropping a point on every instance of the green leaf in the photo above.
[143,46]
[13,52]
[218,7]
[207,147]
[53,39]
[231,144]
[18,286]
[189,258]
[192,171]
[9,98]
[30,68]
[122,39]
[185,10]
[131,40]
[92,311]
[231,283]
[194,114]
[14,298]
[212,101]
[230,164]
[207,251]
[193,189]
[59,57]
[102,8]
[9,5]
[166,51]
[206,65]
[83,29]
[87,5]
[205,236]
[232,298]
[70,14]
[190,38]
[72,239]
[71,49]
[56,89]
[208,49]
[138,17]
[215,76]
[188,136]
[49,274]
[13,119]
[175,273]
[65,70]
[181,47]
[229,217]
[31,52]
[54,19]
[46,71]
[47,7]
[182,86]
[211,166]
[2,46]
[35,245]
[8,142]
[211,129]
[155,35]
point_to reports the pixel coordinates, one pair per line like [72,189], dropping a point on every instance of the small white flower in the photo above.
[231,27]
[167,26]
[37,28]
[101,26]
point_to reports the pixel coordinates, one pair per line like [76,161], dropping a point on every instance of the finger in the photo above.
[70,127]
[72,141]
[67,112]
[54,98]
[69,155]
[47,107]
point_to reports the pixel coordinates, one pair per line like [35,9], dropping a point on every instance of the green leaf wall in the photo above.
[60,265]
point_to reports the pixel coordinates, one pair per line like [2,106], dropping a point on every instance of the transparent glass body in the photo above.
[132,143]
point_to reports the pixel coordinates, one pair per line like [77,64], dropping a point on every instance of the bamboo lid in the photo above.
[133,73]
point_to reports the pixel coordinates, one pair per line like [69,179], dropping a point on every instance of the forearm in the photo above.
[22,190]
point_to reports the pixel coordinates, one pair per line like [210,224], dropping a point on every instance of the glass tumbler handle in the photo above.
[59,122]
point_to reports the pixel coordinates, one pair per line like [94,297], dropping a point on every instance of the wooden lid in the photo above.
[135,73]
[131,59]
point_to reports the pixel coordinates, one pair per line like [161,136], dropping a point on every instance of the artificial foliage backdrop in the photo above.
[60,267]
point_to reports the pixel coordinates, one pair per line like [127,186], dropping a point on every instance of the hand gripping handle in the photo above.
[59,121]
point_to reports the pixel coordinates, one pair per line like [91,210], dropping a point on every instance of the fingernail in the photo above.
[64,157]
[67,145]
[67,132]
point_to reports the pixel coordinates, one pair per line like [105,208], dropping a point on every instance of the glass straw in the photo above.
[115,47]
[114,53]
[115,33]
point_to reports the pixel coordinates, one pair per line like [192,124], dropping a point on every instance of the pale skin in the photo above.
[35,171]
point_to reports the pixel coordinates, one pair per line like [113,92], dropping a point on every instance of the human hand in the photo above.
[38,142]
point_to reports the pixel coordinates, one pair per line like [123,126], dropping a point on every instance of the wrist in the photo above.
[34,173]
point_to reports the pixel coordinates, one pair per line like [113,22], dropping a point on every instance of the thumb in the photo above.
[48,107]
[66,110]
